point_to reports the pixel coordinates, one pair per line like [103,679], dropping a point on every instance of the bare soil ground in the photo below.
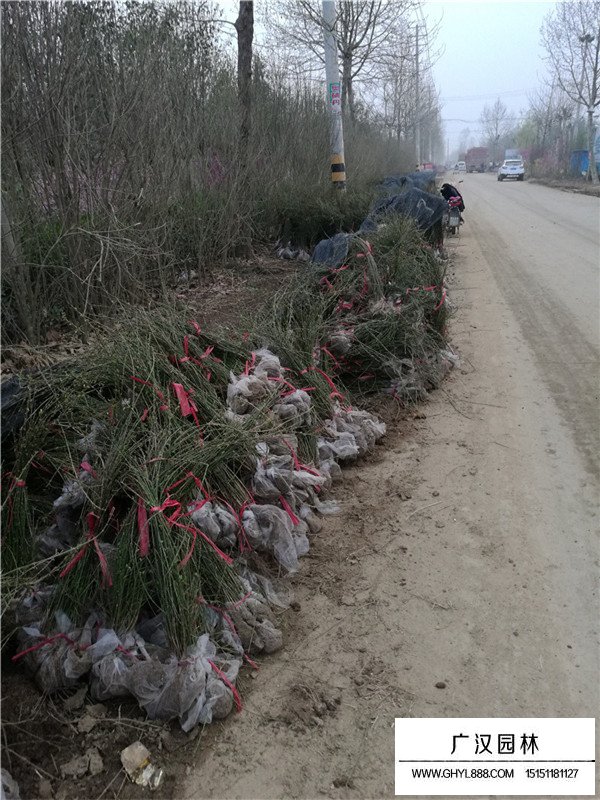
[579,186]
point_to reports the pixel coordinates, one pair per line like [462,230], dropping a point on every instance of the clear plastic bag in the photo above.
[256,626]
[341,446]
[187,689]
[294,409]
[267,365]
[269,529]
[206,519]
[247,392]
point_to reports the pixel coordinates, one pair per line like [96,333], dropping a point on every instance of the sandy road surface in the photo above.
[467,548]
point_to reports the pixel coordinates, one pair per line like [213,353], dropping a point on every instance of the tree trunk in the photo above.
[592,169]
[244,26]
[347,86]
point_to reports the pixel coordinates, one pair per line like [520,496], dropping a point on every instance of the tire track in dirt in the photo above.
[567,363]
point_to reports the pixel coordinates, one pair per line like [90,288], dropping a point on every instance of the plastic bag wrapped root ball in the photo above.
[270,529]
[190,688]
[329,468]
[372,429]
[59,658]
[256,625]
[338,446]
[294,409]
[273,477]
[340,342]
[267,365]
[46,663]
[247,392]
[216,521]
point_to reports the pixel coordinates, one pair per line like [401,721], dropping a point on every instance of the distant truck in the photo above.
[476,159]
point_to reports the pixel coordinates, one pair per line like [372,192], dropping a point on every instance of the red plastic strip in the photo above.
[159,394]
[229,684]
[186,404]
[334,391]
[39,645]
[195,532]
[74,561]
[253,664]
[288,509]
[330,354]
[199,485]
[244,544]
[87,467]
[250,364]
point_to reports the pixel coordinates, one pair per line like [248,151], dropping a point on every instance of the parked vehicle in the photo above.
[476,159]
[453,218]
[512,168]
[460,166]
[456,205]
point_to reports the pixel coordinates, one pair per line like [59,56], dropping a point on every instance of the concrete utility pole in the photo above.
[417,103]
[592,173]
[334,96]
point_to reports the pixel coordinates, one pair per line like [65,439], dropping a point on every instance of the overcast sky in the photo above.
[491,49]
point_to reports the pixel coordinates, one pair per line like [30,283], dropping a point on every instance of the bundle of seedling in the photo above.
[161,486]
[389,311]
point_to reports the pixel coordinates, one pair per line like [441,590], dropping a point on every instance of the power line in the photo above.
[474,121]
[512,92]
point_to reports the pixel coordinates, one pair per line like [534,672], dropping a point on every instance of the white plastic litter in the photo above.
[8,786]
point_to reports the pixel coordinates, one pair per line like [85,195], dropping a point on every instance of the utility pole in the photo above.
[417,102]
[334,97]
[592,173]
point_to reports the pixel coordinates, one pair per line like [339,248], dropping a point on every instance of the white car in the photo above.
[512,168]
[460,166]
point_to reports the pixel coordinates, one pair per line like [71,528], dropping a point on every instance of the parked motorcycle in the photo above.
[454,218]
[456,205]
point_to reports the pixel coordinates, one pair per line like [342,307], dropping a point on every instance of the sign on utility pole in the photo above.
[334,96]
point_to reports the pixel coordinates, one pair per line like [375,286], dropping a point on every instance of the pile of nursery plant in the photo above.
[161,488]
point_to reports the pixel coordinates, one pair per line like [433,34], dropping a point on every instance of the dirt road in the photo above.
[466,552]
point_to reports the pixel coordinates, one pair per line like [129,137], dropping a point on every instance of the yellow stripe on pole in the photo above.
[338,168]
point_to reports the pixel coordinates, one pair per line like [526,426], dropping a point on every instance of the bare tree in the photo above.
[495,124]
[571,37]
[368,35]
